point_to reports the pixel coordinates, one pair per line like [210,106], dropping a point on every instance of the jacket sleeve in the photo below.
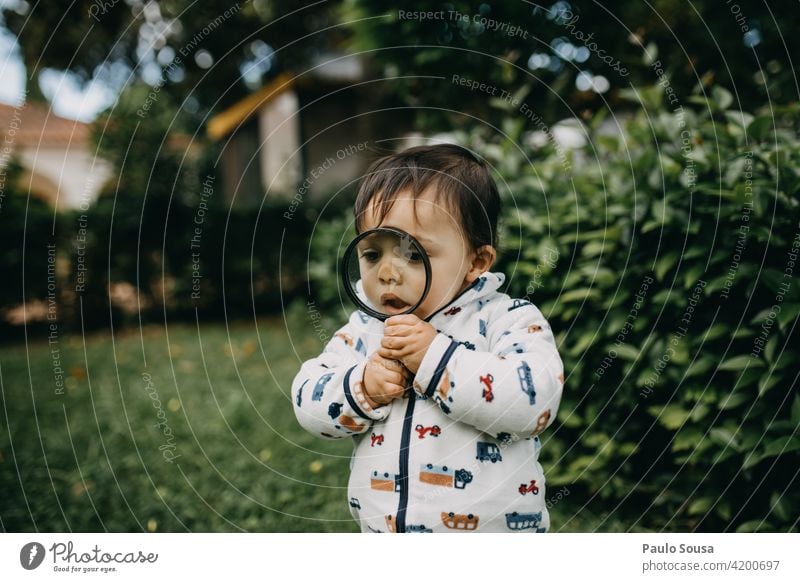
[515,387]
[327,393]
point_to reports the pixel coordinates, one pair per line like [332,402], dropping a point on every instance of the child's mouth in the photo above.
[392,303]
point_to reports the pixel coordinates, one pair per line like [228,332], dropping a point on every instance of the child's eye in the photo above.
[415,257]
[370,256]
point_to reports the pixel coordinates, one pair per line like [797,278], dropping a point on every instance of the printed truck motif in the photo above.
[444,476]
[385,482]
[488,452]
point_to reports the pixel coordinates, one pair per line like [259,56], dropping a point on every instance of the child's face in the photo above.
[437,230]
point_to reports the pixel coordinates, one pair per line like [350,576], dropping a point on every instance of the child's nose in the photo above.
[389,272]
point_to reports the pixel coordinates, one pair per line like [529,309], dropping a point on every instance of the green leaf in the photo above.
[769,351]
[627,352]
[700,506]
[740,363]
[760,127]
[724,437]
[733,400]
[796,410]
[751,526]
[578,295]
[781,446]
[780,506]
[722,97]
[767,382]
[665,263]
[699,366]
[671,417]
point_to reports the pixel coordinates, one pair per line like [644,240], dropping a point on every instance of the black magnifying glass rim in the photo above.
[351,292]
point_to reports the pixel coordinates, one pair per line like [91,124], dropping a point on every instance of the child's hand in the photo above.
[406,338]
[384,380]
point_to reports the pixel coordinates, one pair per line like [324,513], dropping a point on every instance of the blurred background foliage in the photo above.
[706,441]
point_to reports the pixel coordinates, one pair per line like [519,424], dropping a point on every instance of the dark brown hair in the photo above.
[458,176]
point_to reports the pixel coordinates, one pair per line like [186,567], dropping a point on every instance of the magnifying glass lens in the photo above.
[386,272]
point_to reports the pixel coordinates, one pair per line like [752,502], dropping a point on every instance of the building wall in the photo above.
[66,177]
[279,135]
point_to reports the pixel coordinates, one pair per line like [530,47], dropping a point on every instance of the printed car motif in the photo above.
[299,399]
[541,423]
[487,393]
[467,522]
[320,386]
[526,382]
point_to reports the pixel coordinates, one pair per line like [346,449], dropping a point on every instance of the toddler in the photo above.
[444,405]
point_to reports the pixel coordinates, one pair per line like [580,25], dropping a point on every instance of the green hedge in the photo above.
[672,240]
[681,409]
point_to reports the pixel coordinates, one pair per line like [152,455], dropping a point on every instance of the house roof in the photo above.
[34,124]
[234,116]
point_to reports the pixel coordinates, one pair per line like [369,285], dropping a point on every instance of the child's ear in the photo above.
[482,260]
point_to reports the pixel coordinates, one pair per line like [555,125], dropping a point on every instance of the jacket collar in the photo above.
[484,285]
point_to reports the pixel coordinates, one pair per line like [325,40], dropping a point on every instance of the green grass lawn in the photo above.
[94,458]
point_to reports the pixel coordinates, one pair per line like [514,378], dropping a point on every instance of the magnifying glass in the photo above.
[386,272]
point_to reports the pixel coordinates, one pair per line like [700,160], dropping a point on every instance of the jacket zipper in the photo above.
[405,438]
[405,444]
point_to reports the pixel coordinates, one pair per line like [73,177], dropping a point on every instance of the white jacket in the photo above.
[462,454]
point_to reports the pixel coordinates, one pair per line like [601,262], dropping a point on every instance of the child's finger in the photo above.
[397,330]
[405,319]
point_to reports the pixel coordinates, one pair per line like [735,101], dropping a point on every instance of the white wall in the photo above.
[75,171]
[279,134]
